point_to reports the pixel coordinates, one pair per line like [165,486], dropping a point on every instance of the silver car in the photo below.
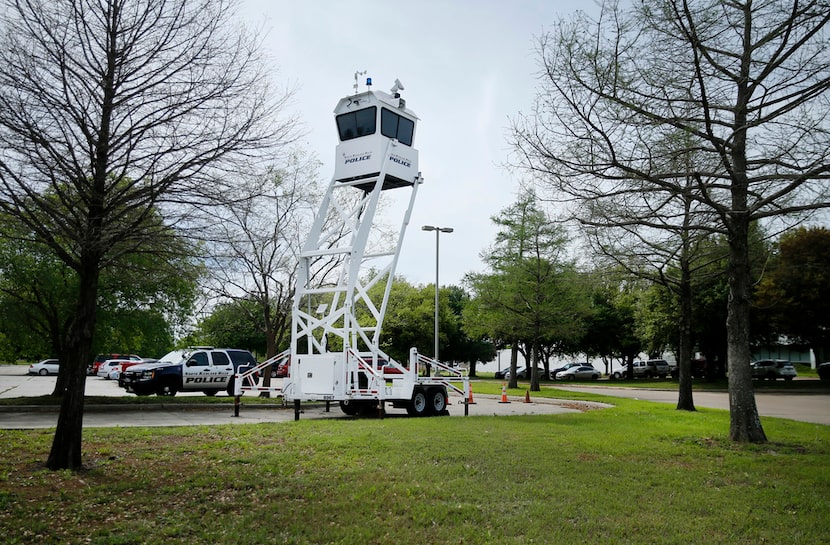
[45,367]
[773,369]
[583,372]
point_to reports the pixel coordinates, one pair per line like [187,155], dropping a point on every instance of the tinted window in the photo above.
[219,358]
[199,359]
[241,357]
[396,126]
[356,124]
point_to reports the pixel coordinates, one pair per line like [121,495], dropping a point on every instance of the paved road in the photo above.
[813,408]
[14,383]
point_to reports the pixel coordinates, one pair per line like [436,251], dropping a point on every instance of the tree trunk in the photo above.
[685,400]
[531,370]
[66,450]
[513,382]
[745,424]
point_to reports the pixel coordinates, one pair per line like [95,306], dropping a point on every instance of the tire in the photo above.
[274,373]
[595,377]
[167,389]
[210,393]
[788,379]
[572,377]
[43,372]
[437,401]
[617,375]
[349,407]
[418,404]
[771,377]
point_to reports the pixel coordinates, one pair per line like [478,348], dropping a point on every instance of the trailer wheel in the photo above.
[349,407]
[418,405]
[437,399]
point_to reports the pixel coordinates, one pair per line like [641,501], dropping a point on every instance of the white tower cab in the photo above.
[347,266]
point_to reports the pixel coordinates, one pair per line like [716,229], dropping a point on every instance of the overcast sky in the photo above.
[468,67]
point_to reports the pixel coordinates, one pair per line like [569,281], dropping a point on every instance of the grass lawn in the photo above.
[636,473]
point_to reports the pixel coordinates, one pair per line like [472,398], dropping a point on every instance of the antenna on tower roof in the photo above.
[356,77]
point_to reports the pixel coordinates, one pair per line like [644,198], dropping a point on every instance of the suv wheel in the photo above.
[167,389]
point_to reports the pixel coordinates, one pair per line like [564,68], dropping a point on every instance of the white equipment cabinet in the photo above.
[346,270]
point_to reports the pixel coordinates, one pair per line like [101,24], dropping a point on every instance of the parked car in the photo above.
[208,370]
[107,366]
[501,372]
[281,370]
[116,370]
[823,370]
[44,367]
[101,358]
[644,369]
[523,373]
[581,372]
[658,368]
[563,368]
[519,372]
[697,368]
[773,369]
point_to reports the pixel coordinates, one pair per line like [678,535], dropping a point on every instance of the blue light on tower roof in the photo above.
[368,82]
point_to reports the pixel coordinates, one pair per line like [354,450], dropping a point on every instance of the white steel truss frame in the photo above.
[324,309]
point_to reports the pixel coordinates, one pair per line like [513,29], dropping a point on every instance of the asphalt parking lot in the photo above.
[15,383]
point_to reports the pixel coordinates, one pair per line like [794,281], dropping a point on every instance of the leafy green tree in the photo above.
[795,294]
[463,344]
[534,294]
[143,299]
[610,327]
[409,319]
[231,325]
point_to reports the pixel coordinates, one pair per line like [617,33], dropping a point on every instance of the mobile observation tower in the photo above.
[346,270]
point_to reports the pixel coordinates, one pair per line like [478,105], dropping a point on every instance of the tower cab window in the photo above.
[395,126]
[356,124]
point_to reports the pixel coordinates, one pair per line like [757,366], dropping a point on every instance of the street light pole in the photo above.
[438,231]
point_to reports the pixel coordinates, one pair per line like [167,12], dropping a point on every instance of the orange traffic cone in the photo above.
[504,393]
[527,396]
[470,399]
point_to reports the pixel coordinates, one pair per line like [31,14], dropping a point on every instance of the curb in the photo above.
[148,407]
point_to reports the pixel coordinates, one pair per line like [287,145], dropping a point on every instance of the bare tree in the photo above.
[746,81]
[255,242]
[109,109]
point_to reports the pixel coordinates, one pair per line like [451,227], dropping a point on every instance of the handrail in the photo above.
[239,378]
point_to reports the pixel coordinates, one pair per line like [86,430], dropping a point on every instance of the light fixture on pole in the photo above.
[438,231]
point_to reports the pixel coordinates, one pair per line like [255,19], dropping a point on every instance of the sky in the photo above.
[468,68]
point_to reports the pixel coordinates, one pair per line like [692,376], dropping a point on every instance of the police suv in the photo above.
[202,369]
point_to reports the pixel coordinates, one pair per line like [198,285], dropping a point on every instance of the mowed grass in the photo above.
[639,473]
